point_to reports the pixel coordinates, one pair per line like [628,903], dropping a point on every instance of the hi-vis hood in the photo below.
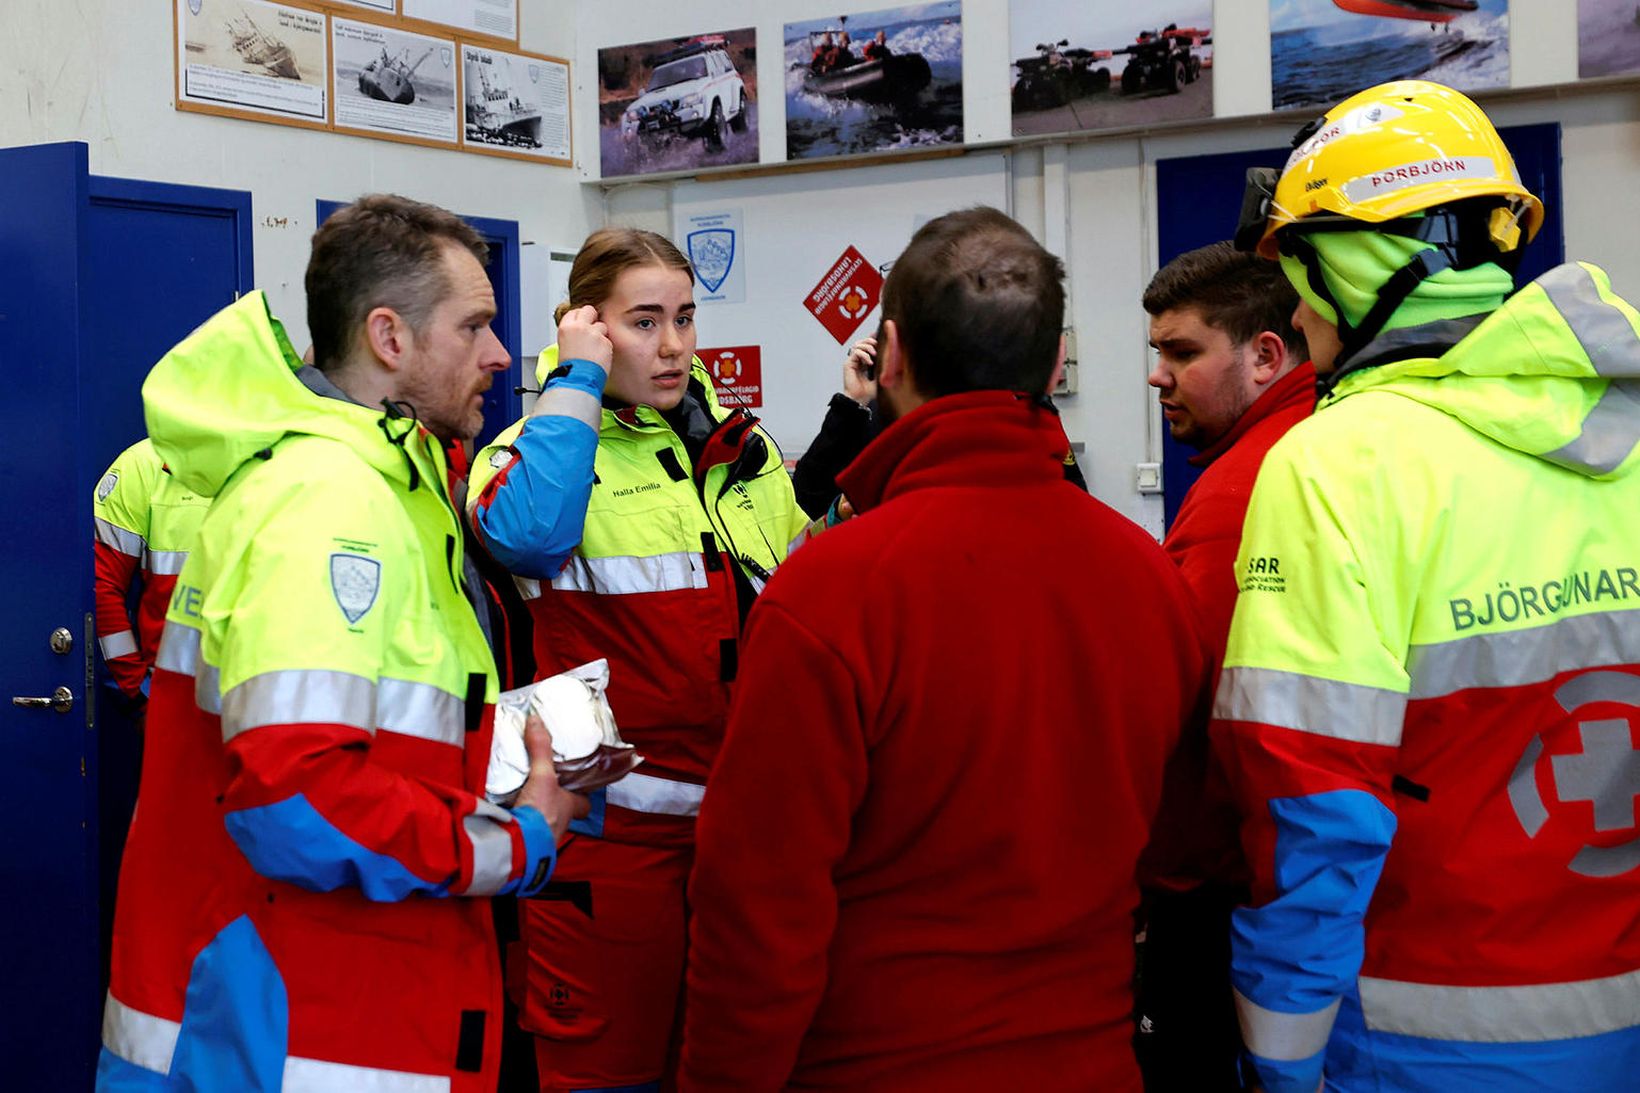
[229,390]
[1558,367]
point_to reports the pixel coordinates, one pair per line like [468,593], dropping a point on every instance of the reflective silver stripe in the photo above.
[208,689]
[122,644]
[421,710]
[528,587]
[810,530]
[139,1038]
[487,829]
[298,697]
[627,575]
[1523,794]
[319,1076]
[573,402]
[1610,432]
[166,562]
[178,649]
[126,542]
[1518,658]
[1601,328]
[1284,1037]
[1325,707]
[646,793]
[1502,1015]
[179,652]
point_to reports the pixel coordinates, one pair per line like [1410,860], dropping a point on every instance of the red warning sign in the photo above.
[846,295]
[737,374]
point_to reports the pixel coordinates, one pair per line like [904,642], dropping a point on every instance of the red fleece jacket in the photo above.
[917,853]
[1206,533]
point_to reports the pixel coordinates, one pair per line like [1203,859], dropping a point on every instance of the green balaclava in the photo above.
[1357,264]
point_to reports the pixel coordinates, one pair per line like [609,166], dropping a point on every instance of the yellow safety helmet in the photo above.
[1389,152]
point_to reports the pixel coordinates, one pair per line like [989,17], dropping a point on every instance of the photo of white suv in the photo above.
[694,91]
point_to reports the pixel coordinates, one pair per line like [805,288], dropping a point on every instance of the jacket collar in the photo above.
[978,438]
[1296,388]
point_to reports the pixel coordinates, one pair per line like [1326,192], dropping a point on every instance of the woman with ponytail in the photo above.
[640,521]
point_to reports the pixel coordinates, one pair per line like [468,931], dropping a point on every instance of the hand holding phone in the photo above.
[860,371]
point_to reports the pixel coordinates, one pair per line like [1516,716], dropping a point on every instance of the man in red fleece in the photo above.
[1232,376]
[917,856]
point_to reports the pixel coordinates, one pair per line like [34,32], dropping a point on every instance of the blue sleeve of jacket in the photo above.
[1294,957]
[531,514]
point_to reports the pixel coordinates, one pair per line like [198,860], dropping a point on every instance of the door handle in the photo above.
[61,700]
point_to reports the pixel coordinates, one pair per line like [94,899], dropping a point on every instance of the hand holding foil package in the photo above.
[587,749]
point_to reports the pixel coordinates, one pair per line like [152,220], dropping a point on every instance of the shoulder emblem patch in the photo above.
[106,486]
[501,457]
[354,580]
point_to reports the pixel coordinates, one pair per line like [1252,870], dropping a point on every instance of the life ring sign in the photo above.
[737,374]
[845,295]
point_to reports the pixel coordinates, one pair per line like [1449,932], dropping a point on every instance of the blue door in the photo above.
[1199,197]
[93,288]
[503,403]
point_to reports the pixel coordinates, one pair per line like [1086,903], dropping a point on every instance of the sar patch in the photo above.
[354,581]
[106,486]
[501,457]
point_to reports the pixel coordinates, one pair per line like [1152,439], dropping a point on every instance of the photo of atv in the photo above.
[1163,60]
[1058,74]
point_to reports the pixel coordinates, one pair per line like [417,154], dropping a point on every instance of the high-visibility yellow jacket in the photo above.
[144,521]
[623,548]
[1429,710]
[317,740]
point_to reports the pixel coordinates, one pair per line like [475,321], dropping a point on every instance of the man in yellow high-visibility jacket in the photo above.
[293,908]
[1431,695]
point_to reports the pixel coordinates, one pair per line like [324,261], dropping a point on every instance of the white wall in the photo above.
[100,71]
[1093,201]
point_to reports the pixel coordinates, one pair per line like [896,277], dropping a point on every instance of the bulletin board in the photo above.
[396,70]
[793,229]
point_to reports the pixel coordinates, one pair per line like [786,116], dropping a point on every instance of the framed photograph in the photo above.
[1608,38]
[1104,64]
[874,81]
[252,58]
[1323,51]
[678,104]
[391,82]
[515,104]
[491,18]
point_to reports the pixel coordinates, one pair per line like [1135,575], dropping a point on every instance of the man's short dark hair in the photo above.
[1235,291]
[979,305]
[381,251]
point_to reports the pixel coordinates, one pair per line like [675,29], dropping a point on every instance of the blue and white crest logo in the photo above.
[106,486]
[447,55]
[354,580]
[713,253]
[195,5]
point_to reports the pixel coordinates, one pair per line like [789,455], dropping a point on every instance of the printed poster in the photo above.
[1324,51]
[250,55]
[716,247]
[392,81]
[874,81]
[1104,64]
[737,374]
[845,295]
[677,104]
[514,102]
[1608,37]
[496,18]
